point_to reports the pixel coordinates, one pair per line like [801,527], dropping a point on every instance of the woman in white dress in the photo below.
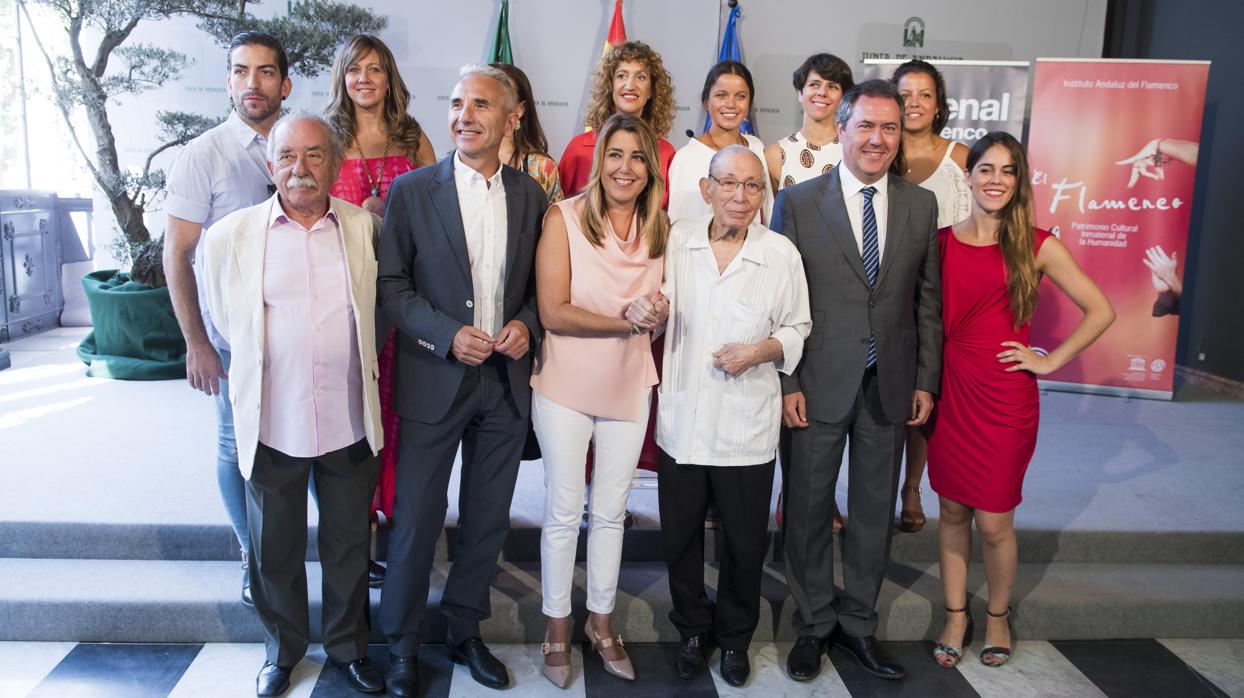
[937,164]
[813,150]
[727,98]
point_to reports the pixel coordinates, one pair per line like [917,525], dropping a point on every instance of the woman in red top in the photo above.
[630,79]
[984,428]
[367,107]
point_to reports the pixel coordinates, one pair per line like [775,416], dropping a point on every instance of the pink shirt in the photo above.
[312,399]
[601,376]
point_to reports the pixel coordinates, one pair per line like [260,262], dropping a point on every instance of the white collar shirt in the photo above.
[705,416]
[854,199]
[221,171]
[482,202]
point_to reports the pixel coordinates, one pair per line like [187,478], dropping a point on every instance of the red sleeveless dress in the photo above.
[353,185]
[984,427]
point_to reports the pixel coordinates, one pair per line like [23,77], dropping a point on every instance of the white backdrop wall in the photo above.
[558,42]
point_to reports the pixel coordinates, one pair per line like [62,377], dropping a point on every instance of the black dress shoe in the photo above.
[375,574]
[735,668]
[486,669]
[804,661]
[273,680]
[692,656]
[868,654]
[364,676]
[403,677]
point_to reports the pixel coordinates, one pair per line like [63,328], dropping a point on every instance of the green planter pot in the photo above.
[136,336]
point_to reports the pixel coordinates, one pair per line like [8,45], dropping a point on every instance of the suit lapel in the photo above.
[353,245]
[833,209]
[895,227]
[353,252]
[513,216]
[444,193]
[249,247]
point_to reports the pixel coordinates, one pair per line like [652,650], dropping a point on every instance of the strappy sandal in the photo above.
[949,656]
[911,520]
[997,656]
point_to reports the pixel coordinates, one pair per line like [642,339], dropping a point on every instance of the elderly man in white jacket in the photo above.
[738,315]
[291,284]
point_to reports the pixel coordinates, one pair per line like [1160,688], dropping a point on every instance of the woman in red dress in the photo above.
[984,428]
[630,79]
[367,107]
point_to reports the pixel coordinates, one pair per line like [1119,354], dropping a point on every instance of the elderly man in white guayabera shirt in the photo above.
[738,314]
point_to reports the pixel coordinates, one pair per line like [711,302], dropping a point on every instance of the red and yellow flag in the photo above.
[617,30]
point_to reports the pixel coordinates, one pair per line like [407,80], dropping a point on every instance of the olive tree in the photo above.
[102,65]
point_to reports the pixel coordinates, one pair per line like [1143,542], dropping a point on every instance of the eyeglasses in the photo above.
[751,186]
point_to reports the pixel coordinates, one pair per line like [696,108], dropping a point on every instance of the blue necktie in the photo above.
[872,259]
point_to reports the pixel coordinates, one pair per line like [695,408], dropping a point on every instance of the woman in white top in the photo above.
[813,150]
[727,98]
[738,314]
[939,165]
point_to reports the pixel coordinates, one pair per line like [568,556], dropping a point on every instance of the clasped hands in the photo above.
[648,312]
[472,346]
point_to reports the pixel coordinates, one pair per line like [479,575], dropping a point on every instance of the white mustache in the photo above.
[296,182]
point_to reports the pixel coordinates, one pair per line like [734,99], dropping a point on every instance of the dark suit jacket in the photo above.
[425,284]
[904,311]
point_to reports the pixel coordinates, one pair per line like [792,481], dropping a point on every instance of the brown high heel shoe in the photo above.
[911,520]
[620,668]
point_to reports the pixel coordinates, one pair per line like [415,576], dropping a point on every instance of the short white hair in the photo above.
[487,71]
[335,144]
[731,150]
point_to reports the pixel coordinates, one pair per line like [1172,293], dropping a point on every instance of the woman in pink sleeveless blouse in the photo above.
[598,283]
[367,107]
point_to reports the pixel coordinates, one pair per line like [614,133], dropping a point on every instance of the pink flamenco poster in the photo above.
[1113,148]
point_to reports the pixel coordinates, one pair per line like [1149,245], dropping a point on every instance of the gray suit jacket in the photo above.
[425,284]
[904,311]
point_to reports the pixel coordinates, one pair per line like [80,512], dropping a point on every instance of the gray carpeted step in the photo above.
[197,601]
[642,544]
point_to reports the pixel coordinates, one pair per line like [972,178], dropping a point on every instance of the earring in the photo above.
[517,125]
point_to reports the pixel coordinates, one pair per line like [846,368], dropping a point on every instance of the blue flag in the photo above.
[730,52]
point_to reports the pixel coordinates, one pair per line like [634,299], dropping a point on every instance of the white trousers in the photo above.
[564,435]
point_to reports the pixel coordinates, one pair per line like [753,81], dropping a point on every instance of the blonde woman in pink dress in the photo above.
[598,284]
[367,108]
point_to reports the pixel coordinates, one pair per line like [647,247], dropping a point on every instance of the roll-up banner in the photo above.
[983,96]
[1112,148]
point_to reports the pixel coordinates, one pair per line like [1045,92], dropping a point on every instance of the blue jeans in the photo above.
[228,476]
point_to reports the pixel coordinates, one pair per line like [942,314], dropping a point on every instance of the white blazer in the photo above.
[232,273]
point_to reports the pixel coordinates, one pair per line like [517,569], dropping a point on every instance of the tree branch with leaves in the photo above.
[310,32]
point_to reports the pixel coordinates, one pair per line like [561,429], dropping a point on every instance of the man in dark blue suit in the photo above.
[456,278]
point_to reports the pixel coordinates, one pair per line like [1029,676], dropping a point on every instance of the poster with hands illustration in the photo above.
[1113,148]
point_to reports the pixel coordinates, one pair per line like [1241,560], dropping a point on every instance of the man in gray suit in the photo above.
[870,367]
[456,254]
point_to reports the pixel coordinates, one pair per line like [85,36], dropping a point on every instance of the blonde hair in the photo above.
[653,224]
[658,112]
[1015,232]
[400,126]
